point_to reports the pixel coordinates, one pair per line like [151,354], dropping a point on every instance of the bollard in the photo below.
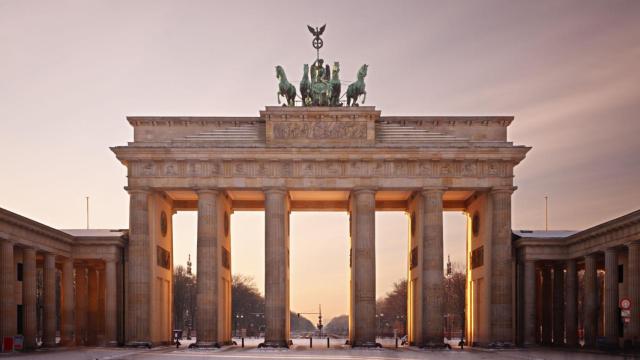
[310,342]
[396,342]
[328,342]
[242,338]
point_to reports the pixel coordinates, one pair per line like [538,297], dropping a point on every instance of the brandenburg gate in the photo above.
[320,158]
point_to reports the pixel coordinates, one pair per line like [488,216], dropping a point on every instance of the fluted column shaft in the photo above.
[571,308]
[432,268]
[139,273]
[501,267]
[67,327]
[529,302]
[276,268]
[111,307]
[611,297]
[633,278]
[92,311]
[8,316]
[590,315]
[206,290]
[82,304]
[363,269]
[547,305]
[49,300]
[558,304]
[29,295]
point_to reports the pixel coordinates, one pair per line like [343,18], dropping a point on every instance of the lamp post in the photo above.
[238,317]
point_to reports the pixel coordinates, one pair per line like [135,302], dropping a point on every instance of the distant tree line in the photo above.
[247,305]
[391,309]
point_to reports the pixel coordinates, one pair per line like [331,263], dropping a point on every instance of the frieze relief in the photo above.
[321,168]
[320,130]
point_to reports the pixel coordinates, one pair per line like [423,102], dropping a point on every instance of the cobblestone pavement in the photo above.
[301,351]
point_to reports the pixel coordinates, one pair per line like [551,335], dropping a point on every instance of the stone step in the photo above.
[397,133]
[243,133]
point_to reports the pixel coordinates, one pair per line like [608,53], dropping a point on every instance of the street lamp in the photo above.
[238,317]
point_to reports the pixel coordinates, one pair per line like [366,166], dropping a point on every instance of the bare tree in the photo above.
[391,310]
[454,301]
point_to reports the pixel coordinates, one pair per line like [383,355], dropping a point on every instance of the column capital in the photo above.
[634,243]
[29,248]
[214,191]
[6,240]
[362,190]
[503,189]
[275,190]
[138,189]
[611,250]
[592,255]
[433,189]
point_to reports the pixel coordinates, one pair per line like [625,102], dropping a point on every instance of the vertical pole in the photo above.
[87,212]
[546,213]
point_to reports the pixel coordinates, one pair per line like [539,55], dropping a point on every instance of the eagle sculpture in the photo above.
[317,31]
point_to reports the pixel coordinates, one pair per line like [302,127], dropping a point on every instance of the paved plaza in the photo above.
[301,350]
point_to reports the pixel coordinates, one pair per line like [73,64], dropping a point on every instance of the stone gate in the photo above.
[321,158]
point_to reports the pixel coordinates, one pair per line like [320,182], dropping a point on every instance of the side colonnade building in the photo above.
[606,258]
[81,272]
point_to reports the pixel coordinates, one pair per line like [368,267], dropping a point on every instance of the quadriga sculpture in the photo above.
[357,88]
[335,86]
[305,86]
[285,88]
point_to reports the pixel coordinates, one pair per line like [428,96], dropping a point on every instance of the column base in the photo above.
[146,344]
[501,345]
[436,346]
[275,344]
[205,345]
[49,345]
[366,344]
[67,343]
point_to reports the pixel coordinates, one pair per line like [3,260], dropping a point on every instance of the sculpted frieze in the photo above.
[321,168]
[319,130]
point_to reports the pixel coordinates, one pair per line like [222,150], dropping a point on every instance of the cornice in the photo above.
[34,226]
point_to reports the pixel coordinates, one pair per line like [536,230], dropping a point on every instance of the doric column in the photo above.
[67,327]
[8,314]
[101,308]
[501,286]
[571,308]
[207,284]
[139,272]
[276,268]
[529,302]
[363,269]
[558,303]
[633,278]
[547,305]
[591,298]
[82,304]
[49,301]
[92,311]
[432,268]
[29,295]
[611,297]
[111,303]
